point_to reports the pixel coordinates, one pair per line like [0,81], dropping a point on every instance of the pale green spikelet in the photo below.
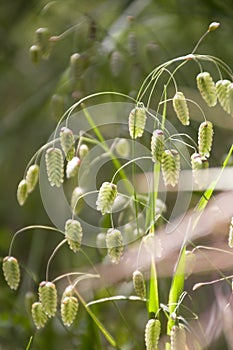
[230,237]
[32,177]
[139,284]
[230,98]
[213,26]
[69,309]
[122,147]
[190,261]
[38,315]
[72,167]
[207,88]
[67,142]
[106,197]
[178,338]
[137,121]
[76,203]
[11,271]
[181,108]
[73,234]
[42,41]
[205,138]
[54,166]
[22,192]
[83,151]
[221,88]
[114,243]
[152,334]
[157,145]
[48,298]
[171,167]
[196,163]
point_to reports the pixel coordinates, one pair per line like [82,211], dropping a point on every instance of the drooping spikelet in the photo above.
[114,243]
[178,338]
[221,88]
[181,108]
[157,145]
[69,308]
[230,98]
[230,237]
[22,192]
[48,298]
[67,142]
[122,147]
[207,88]
[73,234]
[11,271]
[137,121]
[139,284]
[152,334]
[72,167]
[205,138]
[106,197]
[83,150]
[38,315]
[32,177]
[35,53]
[54,166]
[171,167]
[76,203]
[42,41]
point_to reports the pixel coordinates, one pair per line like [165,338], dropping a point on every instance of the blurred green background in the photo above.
[120,43]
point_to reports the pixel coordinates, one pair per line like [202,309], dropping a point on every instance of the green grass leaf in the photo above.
[153,304]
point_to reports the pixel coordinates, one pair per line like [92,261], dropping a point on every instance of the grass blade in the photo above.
[153,304]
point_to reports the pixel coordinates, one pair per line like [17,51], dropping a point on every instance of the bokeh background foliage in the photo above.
[120,43]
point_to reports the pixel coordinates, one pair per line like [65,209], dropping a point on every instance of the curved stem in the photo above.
[52,256]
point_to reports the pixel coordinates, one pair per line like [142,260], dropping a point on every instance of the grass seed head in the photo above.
[42,41]
[38,315]
[178,338]
[67,142]
[54,166]
[48,298]
[73,234]
[114,244]
[171,167]
[137,121]
[207,88]
[157,145]
[152,334]
[83,150]
[32,177]
[72,167]
[69,309]
[22,192]
[122,147]
[205,138]
[181,108]
[221,88]
[139,284]
[11,271]
[106,197]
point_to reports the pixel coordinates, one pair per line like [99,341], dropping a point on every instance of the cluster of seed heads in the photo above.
[28,184]
[137,121]
[152,334]
[178,338]
[106,197]
[11,271]
[139,284]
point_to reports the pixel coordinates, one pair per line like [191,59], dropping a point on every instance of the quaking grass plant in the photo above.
[67,151]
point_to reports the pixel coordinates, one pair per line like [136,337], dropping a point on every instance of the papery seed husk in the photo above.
[73,234]
[48,297]
[221,88]
[114,243]
[67,143]
[106,197]
[205,138]
[137,121]
[11,271]
[152,334]
[72,167]
[38,315]
[207,88]
[181,108]
[32,177]
[22,192]
[157,145]
[54,166]
[83,151]
[139,284]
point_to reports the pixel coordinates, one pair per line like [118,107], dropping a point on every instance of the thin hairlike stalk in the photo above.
[52,256]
